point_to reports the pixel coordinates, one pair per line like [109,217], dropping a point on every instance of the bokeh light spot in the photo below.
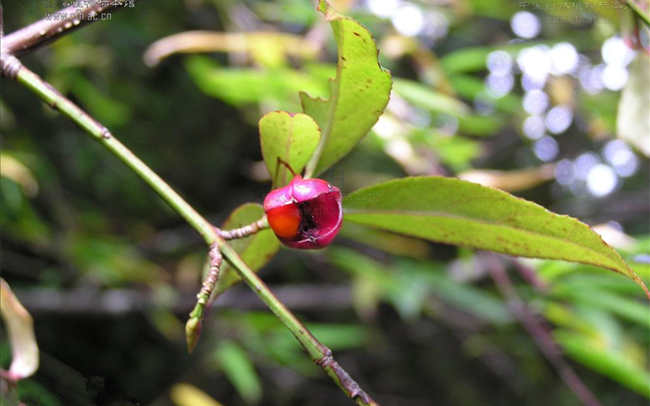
[601,180]
[525,24]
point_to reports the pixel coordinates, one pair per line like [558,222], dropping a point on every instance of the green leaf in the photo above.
[633,121]
[474,59]
[239,369]
[241,86]
[427,98]
[409,283]
[607,362]
[386,241]
[20,327]
[256,250]
[599,298]
[464,213]
[358,95]
[290,137]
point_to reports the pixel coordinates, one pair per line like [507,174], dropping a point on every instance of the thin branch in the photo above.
[245,231]
[13,68]
[57,24]
[539,333]
[639,11]
[319,353]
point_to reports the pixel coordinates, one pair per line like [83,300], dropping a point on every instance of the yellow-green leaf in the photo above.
[240,370]
[358,94]
[464,213]
[290,137]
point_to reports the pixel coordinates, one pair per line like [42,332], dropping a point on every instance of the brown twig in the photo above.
[56,24]
[539,332]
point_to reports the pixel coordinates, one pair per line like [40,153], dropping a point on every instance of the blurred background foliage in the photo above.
[523,96]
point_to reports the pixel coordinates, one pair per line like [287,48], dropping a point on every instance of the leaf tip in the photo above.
[326,9]
[640,282]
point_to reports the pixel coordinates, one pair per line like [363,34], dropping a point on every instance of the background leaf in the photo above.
[358,95]
[633,121]
[605,361]
[239,86]
[423,96]
[183,394]
[256,250]
[240,370]
[290,137]
[464,213]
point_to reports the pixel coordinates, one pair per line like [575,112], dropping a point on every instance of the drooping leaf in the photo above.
[358,94]
[240,371]
[20,327]
[633,121]
[464,213]
[290,137]
[256,250]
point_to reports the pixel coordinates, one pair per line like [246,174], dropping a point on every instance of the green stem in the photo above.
[636,9]
[56,100]
[318,352]
[313,347]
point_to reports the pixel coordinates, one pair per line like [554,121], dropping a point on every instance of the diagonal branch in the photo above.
[320,354]
[59,23]
[639,10]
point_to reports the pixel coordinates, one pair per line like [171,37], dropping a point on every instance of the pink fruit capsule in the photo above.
[305,214]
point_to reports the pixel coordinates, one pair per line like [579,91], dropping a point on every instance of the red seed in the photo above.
[305,214]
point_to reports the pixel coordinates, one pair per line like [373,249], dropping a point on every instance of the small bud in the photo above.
[192,332]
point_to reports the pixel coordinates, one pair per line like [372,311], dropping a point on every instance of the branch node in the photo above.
[105,134]
[349,385]
[326,360]
[10,65]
